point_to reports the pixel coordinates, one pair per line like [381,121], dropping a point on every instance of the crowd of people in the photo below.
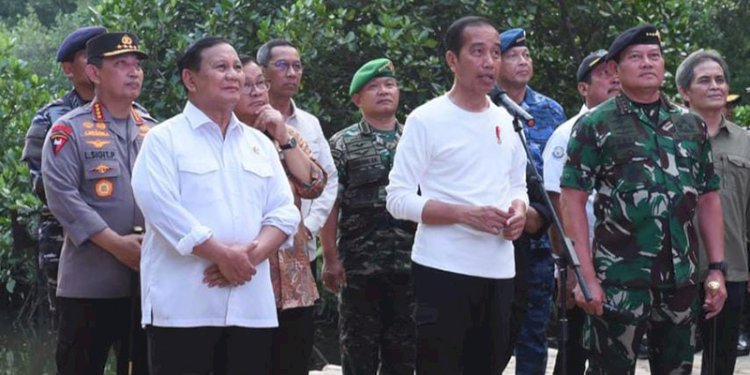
[188,246]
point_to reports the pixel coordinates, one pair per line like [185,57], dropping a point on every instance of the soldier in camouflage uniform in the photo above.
[72,58]
[372,269]
[652,167]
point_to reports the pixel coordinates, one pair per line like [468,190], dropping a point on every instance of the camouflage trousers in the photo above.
[670,318]
[376,330]
[49,247]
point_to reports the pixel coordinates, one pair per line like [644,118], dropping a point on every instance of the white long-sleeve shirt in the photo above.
[192,183]
[316,211]
[459,157]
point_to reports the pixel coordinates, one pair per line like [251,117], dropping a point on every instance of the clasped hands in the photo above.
[234,268]
[495,221]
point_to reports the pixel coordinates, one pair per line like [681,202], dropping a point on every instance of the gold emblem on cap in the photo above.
[126,40]
[656,34]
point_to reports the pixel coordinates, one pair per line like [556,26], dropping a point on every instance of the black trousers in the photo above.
[462,322]
[726,332]
[576,357]
[209,350]
[88,329]
[293,341]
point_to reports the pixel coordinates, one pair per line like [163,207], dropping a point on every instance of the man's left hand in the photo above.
[714,300]
[515,224]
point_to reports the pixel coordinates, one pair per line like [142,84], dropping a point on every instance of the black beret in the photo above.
[641,34]
[113,44]
[76,41]
[589,63]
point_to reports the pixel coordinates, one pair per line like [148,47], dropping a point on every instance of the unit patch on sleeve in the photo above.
[59,134]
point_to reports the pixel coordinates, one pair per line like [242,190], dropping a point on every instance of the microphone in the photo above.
[500,97]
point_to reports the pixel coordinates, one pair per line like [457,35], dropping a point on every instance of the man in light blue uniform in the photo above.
[516,70]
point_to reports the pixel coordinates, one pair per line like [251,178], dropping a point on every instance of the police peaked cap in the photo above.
[114,44]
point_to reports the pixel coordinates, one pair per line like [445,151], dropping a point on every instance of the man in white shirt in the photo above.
[212,191]
[283,68]
[461,152]
[596,83]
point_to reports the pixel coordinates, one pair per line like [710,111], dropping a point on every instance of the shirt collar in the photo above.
[366,129]
[197,118]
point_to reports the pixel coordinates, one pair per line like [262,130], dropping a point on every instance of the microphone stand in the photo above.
[568,257]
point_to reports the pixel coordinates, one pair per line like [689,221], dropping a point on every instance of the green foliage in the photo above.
[23,92]
[742,115]
[334,37]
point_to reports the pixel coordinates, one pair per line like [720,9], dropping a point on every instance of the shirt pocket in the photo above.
[101,178]
[200,181]
[734,172]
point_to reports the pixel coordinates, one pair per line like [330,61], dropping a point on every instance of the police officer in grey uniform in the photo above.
[72,58]
[87,159]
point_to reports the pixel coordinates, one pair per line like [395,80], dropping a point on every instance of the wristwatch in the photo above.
[721,266]
[289,145]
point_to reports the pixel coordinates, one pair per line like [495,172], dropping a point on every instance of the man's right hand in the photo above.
[593,307]
[334,274]
[236,264]
[487,219]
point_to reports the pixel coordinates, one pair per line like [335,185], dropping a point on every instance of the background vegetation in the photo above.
[335,37]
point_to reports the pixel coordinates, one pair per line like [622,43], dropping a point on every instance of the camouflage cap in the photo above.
[381,67]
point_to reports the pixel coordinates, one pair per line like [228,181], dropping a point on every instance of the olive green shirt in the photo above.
[731,149]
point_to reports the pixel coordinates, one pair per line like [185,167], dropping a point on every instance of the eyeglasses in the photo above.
[260,86]
[284,66]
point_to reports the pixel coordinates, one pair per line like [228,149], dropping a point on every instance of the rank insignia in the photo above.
[143,130]
[98,143]
[103,188]
[101,126]
[59,134]
[101,168]
[96,133]
[88,125]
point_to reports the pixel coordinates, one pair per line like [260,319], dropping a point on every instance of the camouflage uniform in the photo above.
[375,306]
[49,230]
[648,179]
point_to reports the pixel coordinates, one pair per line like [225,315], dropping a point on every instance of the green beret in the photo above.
[373,69]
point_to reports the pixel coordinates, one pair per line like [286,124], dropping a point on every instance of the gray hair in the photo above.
[686,71]
[263,57]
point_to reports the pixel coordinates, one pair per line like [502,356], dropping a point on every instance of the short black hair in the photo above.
[191,59]
[454,36]
[263,56]
[95,61]
[245,59]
